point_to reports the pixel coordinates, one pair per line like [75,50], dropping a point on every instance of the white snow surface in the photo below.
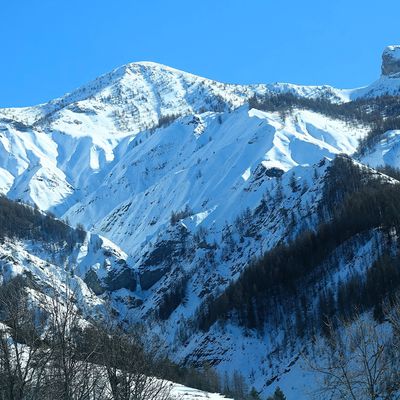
[385,152]
[180,392]
[175,167]
[385,85]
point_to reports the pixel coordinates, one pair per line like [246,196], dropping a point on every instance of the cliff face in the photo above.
[391,60]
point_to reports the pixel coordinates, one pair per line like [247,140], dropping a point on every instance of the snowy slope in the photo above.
[89,267]
[176,166]
[385,85]
[31,259]
[385,152]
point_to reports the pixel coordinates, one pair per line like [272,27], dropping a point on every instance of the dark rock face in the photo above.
[161,259]
[121,280]
[391,60]
[274,172]
[162,253]
[150,277]
[124,279]
[93,282]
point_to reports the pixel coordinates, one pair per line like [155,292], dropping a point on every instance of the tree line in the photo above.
[283,284]
[21,221]
[380,113]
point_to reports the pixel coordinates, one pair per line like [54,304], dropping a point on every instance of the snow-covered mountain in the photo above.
[67,146]
[181,185]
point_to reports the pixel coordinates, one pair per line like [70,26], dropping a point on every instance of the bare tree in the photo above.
[23,356]
[391,311]
[71,371]
[358,361]
[48,351]
[133,368]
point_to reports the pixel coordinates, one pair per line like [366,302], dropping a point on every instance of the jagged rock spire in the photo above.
[391,60]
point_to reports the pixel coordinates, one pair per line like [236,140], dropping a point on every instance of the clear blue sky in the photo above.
[49,47]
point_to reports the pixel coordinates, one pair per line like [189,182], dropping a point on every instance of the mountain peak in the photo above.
[391,60]
[152,65]
[149,65]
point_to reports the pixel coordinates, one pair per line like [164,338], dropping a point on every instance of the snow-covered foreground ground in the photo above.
[180,392]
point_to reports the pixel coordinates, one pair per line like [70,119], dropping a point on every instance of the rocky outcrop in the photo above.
[149,277]
[123,279]
[391,60]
